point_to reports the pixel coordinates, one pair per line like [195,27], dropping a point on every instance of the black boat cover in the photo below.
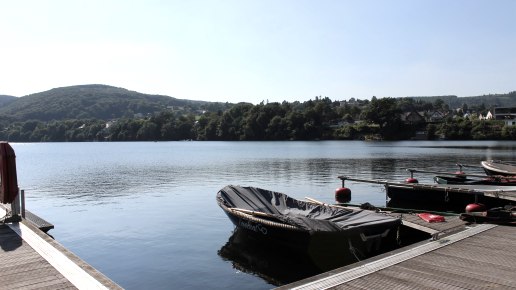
[309,216]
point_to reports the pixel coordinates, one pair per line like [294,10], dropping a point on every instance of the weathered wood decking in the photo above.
[450,225]
[24,268]
[33,260]
[479,257]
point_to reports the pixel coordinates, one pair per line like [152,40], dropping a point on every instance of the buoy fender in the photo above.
[342,194]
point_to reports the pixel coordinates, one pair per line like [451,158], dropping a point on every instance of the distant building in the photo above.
[352,102]
[412,118]
[507,114]
[110,123]
[437,116]
[488,116]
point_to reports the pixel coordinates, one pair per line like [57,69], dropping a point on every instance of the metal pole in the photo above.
[22,199]
[15,206]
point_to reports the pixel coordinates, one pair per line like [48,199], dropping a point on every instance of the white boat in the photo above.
[497,167]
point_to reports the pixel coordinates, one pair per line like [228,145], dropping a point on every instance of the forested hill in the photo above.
[4,100]
[90,102]
[104,102]
[489,101]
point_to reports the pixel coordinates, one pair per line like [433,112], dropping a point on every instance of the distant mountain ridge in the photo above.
[96,101]
[491,100]
[88,101]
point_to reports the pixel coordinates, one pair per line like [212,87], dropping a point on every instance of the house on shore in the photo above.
[506,114]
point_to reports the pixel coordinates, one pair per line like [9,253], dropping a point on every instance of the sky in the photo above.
[261,50]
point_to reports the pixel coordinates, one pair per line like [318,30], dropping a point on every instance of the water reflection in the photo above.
[277,266]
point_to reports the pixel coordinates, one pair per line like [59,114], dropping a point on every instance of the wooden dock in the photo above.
[33,260]
[476,257]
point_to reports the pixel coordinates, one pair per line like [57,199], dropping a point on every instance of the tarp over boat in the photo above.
[8,179]
[308,216]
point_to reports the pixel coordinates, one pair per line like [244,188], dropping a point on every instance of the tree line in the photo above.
[319,119]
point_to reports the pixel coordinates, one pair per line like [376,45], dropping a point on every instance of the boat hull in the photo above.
[331,235]
[498,168]
[327,250]
[452,196]
[499,181]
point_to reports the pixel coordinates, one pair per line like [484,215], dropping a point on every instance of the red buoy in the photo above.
[460,174]
[342,194]
[411,180]
[475,207]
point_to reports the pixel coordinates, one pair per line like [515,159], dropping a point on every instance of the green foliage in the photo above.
[466,129]
[89,111]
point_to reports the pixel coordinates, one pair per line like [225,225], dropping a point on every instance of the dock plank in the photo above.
[472,264]
[463,269]
[33,260]
[433,274]
[459,276]
[451,223]
[23,268]
[473,259]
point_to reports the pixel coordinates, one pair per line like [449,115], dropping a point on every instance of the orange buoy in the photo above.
[411,180]
[475,207]
[342,194]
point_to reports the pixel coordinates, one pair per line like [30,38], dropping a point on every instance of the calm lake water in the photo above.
[145,215]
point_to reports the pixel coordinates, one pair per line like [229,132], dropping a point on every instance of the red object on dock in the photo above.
[431,218]
[9,181]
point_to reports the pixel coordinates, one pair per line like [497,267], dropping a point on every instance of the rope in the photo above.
[398,238]
[259,220]
[353,251]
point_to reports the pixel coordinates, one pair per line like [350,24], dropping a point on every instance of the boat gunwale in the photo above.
[238,214]
[498,167]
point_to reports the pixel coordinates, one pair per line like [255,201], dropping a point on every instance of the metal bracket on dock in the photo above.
[16,212]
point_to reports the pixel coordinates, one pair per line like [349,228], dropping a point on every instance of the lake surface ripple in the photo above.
[144,213]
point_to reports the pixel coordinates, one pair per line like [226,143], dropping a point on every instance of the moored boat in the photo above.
[454,196]
[488,180]
[324,232]
[497,167]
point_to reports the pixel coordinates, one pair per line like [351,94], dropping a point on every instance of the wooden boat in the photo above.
[497,167]
[488,180]
[324,232]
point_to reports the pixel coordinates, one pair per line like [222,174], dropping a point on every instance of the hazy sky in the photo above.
[261,50]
